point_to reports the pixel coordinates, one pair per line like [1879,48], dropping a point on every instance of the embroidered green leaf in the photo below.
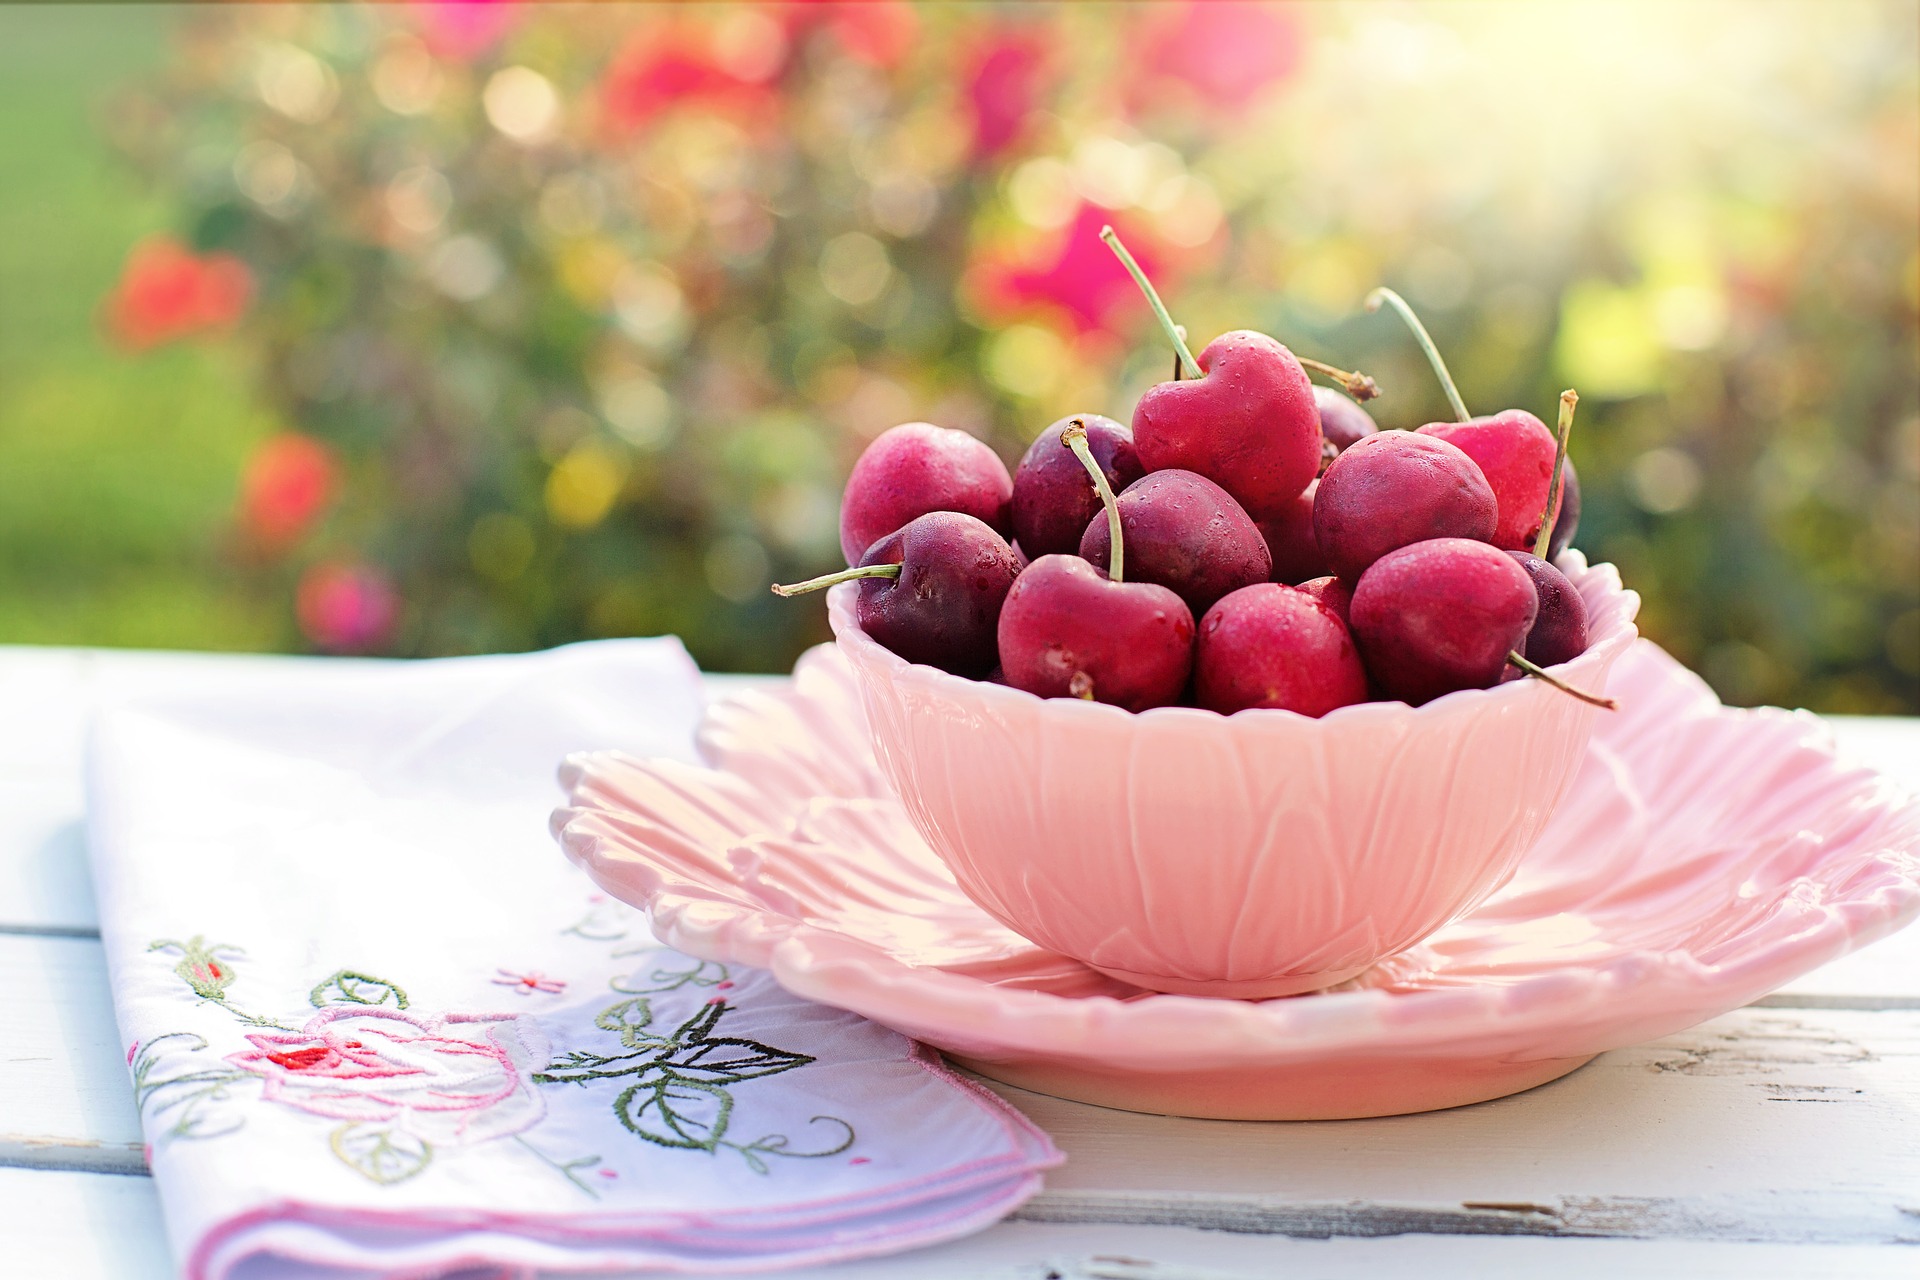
[202,967]
[676,1113]
[629,1020]
[349,987]
[381,1155]
[728,1061]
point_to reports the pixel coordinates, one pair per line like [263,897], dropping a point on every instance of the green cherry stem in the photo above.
[834,579]
[1540,673]
[1173,331]
[1356,384]
[1075,438]
[1562,429]
[1425,339]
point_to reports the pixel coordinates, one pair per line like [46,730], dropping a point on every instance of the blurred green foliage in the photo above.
[594,307]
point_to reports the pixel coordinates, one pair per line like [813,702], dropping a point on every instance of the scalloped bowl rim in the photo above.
[1610,620]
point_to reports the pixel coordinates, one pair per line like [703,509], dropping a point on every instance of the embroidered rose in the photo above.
[444,1081]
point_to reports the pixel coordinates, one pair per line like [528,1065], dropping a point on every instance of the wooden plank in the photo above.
[78,1226]
[65,1101]
[1762,1125]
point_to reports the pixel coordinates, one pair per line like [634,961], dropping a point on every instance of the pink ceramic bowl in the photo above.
[1255,855]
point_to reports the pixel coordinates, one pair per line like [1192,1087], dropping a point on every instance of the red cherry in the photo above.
[1290,542]
[1392,490]
[1335,593]
[1183,532]
[1272,646]
[1441,615]
[1248,423]
[912,469]
[931,591]
[1053,498]
[1069,631]
[1514,451]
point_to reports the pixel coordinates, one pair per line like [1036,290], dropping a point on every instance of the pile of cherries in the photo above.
[1326,561]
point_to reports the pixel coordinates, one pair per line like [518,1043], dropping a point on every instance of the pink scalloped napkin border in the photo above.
[375,1028]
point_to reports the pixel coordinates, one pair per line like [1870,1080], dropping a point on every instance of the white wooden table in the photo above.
[1779,1140]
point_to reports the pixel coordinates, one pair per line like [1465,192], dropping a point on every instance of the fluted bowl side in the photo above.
[1253,855]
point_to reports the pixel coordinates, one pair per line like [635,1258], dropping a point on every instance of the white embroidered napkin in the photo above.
[377,1025]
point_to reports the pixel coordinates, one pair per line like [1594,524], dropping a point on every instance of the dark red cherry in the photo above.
[1559,631]
[931,591]
[1441,615]
[1393,489]
[912,469]
[1342,422]
[1069,631]
[1335,593]
[1272,646]
[1184,532]
[1053,497]
[1514,451]
[1290,542]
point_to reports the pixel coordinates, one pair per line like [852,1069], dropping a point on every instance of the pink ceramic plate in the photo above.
[1703,857]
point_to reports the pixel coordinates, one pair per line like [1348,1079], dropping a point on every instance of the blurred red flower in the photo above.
[1074,275]
[1003,84]
[878,32]
[346,608]
[288,482]
[666,66]
[462,30]
[1221,53]
[167,291]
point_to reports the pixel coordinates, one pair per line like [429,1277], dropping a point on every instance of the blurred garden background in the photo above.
[444,328]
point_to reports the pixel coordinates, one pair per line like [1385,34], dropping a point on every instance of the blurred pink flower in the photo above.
[462,30]
[1073,275]
[167,291]
[1004,80]
[1222,53]
[288,482]
[346,608]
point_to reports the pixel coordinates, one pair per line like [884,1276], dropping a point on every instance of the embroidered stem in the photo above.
[564,1170]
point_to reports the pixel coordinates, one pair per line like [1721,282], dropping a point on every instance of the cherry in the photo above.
[1559,631]
[1335,593]
[1441,615]
[931,591]
[915,468]
[1186,533]
[1245,418]
[1272,646]
[1052,501]
[1341,422]
[1394,489]
[1514,451]
[1069,630]
[1290,541]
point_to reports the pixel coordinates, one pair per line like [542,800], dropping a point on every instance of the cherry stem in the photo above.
[1425,339]
[1556,483]
[1540,673]
[1075,438]
[1174,333]
[1356,384]
[1178,369]
[834,579]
